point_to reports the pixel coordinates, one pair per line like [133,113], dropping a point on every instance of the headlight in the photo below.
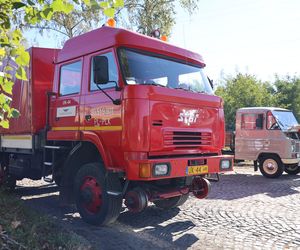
[225,164]
[161,169]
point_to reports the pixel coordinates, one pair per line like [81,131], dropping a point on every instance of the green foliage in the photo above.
[77,18]
[13,57]
[288,93]
[23,228]
[148,15]
[244,90]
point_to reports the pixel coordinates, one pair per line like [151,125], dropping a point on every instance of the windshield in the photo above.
[285,119]
[139,68]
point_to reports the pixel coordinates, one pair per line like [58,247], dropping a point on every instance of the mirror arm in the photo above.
[115,102]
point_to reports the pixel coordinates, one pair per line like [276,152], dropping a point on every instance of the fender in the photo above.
[75,160]
[92,137]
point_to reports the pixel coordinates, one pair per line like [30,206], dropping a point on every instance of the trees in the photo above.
[243,90]
[148,15]
[287,93]
[32,13]
[82,18]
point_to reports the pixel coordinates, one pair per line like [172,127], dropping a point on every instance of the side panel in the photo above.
[29,97]
[42,76]
[250,143]
[21,101]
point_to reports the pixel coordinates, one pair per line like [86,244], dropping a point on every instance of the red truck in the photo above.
[115,116]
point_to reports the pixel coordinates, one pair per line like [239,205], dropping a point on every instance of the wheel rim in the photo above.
[270,166]
[91,195]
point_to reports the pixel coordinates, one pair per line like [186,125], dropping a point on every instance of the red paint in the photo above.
[91,195]
[169,194]
[145,128]
[29,97]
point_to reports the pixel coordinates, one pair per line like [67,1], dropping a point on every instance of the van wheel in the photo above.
[292,169]
[94,204]
[171,202]
[271,166]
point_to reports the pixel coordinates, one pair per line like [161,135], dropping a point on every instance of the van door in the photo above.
[251,136]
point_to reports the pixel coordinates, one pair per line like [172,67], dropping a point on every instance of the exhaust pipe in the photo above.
[200,187]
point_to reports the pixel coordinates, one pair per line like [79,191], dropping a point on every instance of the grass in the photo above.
[23,228]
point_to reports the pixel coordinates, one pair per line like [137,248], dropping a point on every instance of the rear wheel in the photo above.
[292,169]
[271,166]
[94,204]
[171,202]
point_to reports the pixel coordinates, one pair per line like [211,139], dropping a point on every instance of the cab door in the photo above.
[100,115]
[65,106]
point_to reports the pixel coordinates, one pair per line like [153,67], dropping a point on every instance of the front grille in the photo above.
[187,138]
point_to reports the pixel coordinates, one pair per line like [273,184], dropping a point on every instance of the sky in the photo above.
[260,37]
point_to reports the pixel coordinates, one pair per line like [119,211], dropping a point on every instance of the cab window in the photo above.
[252,121]
[112,72]
[70,78]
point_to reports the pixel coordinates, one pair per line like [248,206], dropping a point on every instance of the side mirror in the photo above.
[211,82]
[100,69]
[259,122]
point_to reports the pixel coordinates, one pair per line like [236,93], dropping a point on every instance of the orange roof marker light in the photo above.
[164,38]
[111,22]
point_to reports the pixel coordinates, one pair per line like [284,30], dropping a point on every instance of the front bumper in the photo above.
[178,166]
[290,161]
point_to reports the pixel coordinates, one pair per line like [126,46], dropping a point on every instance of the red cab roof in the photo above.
[107,37]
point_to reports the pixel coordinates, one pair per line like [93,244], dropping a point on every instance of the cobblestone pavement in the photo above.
[243,211]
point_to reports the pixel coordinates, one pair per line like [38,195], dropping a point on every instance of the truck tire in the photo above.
[292,169]
[271,166]
[171,202]
[94,204]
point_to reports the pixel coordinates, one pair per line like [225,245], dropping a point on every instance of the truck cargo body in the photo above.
[124,109]
[29,97]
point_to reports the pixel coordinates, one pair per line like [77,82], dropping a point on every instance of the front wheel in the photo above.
[171,202]
[271,166]
[93,202]
[292,169]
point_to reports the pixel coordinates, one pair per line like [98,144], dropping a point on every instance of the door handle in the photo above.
[88,117]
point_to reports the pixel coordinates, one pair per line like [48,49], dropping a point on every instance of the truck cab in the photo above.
[270,137]
[128,117]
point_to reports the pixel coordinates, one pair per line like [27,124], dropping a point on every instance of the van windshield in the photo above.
[285,119]
[139,68]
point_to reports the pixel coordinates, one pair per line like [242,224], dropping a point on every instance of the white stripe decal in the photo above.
[66,111]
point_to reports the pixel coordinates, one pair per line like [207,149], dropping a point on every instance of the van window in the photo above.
[70,78]
[112,73]
[271,122]
[252,121]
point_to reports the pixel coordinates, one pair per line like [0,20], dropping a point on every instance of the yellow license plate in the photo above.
[191,170]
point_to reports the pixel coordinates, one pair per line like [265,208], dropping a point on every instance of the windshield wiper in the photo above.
[154,84]
[182,88]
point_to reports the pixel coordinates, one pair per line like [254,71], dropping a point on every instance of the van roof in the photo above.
[251,109]
[106,37]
